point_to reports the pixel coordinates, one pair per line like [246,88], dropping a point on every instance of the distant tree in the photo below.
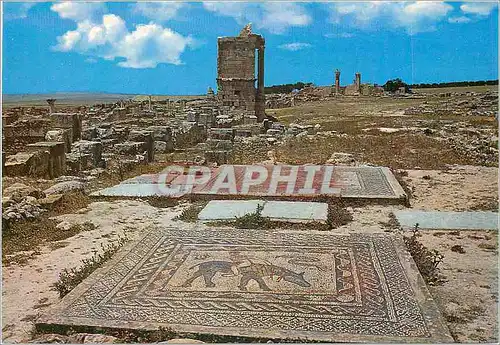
[286,88]
[455,83]
[394,84]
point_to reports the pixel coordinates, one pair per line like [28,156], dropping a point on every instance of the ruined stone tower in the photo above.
[236,73]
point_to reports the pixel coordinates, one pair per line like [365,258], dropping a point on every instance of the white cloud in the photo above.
[413,17]
[339,35]
[276,17]
[151,44]
[158,11]
[479,8]
[459,20]
[15,10]
[145,47]
[295,46]
[78,11]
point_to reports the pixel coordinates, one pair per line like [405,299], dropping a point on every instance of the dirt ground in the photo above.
[438,174]
[467,298]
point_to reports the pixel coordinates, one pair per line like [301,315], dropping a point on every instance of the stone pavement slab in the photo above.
[277,285]
[228,209]
[448,220]
[296,211]
[289,211]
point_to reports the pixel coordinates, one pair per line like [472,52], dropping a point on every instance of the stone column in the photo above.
[149,102]
[52,106]
[358,82]
[337,82]
[261,98]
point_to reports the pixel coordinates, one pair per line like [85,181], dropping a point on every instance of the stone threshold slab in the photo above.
[448,220]
[277,285]
[287,211]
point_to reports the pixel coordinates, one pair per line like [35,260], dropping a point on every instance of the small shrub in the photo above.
[252,220]
[69,279]
[392,224]
[162,202]
[337,215]
[427,260]
[190,214]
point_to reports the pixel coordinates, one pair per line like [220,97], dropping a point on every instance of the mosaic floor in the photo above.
[297,285]
[364,182]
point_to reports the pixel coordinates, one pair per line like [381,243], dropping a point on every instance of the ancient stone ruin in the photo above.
[236,73]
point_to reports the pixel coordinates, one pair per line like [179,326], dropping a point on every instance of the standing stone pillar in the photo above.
[357,82]
[337,82]
[52,105]
[261,98]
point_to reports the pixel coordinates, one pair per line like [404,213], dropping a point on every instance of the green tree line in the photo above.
[455,83]
[286,88]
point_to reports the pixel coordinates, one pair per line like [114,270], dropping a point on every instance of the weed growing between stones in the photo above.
[427,260]
[69,279]
[252,220]
[338,215]
[190,214]
[162,202]
[392,224]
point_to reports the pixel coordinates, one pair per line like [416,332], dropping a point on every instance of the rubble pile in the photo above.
[476,143]
[20,202]
[459,104]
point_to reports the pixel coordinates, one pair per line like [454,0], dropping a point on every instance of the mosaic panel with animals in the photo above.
[283,281]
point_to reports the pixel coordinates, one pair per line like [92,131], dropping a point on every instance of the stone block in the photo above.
[89,133]
[145,137]
[34,164]
[221,133]
[130,148]
[217,156]
[92,148]
[61,135]
[249,120]
[245,133]
[164,134]
[57,156]
[76,162]
[216,144]
[68,120]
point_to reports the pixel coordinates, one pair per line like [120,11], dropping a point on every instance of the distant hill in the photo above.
[64,98]
[79,98]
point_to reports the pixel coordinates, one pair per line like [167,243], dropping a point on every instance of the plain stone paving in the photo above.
[307,285]
[228,209]
[290,211]
[294,211]
[448,220]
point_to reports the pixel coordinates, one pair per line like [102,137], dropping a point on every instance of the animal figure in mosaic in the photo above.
[251,271]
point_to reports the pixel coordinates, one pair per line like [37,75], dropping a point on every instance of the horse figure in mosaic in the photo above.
[248,271]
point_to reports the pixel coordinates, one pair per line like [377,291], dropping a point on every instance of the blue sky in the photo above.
[171,48]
